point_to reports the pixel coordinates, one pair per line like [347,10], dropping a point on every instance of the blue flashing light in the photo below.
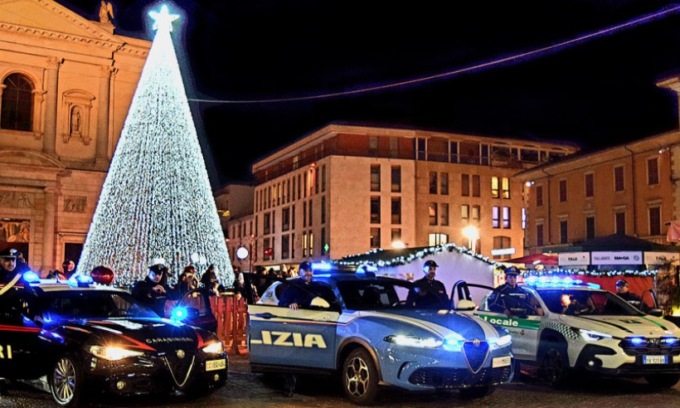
[670,341]
[80,281]
[593,285]
[636,341]
[544,281]
[321,266]
[31,277]
[179,313]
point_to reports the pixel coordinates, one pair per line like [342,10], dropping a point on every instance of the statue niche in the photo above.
[77,108]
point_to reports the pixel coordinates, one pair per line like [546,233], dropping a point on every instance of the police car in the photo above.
[78,336]
[572,327]
[364,332]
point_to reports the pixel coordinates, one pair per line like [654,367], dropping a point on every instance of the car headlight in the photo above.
[590,335]
[502,341]
[113,353]
[414,341]
[214,348]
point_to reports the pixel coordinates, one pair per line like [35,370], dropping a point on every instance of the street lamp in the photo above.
[472,234]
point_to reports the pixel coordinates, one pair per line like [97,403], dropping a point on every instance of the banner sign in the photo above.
[660,258]
[617,258]
[574,258]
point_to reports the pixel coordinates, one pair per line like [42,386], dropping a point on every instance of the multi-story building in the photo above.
[66,84]
[627,189]
[235,206]
[345,190]
[632,188]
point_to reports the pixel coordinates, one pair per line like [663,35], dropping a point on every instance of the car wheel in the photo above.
[360,378]
[476,392]
[555,366]
[662,380]
[66,381]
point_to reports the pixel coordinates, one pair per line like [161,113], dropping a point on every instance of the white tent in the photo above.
[455,263]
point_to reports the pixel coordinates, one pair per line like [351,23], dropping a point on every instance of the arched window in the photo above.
[17,103]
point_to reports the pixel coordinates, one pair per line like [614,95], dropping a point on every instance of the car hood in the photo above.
[623,326]
[149,334]
[442,322]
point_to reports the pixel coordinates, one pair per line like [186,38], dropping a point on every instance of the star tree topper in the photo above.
[163,19]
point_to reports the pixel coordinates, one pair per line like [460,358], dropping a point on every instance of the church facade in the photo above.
[66,84]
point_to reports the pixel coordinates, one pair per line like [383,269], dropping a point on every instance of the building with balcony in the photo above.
[345,190]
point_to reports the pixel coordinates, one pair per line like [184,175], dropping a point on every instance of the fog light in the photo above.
[121,385]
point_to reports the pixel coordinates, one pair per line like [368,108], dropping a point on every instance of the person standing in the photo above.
[153,290]
[300,292]
[510,299]
[11,282]
[623,290]
[428,292]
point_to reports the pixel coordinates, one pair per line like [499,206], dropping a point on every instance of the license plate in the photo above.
[654,359]
[501,362]
[213,365]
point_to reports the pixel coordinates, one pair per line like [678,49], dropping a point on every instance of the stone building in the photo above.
[66,84]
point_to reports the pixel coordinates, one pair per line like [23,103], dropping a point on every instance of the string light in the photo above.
[156,200]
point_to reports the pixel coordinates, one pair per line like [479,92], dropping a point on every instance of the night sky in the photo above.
[261,74]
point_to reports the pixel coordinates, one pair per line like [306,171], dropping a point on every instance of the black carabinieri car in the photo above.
[78,336]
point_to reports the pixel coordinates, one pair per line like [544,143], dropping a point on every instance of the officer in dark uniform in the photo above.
[153,290]
[428,292]
[509,298]
[12,285]
[623,291]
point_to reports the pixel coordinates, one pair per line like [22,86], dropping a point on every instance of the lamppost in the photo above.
[472,234]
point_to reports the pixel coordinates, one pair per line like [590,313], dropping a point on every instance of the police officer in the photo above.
[623,291]
[428,292]
[153,290]
[509,298]
[11,281]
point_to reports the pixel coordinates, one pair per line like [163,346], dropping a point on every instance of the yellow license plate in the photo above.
[213,365]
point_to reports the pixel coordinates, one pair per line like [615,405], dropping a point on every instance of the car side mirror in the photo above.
[320,303]
[466,305]
[655,311]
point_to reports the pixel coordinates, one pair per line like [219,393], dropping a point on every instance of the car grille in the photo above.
[657,346]
[459,377]
[476,353]
[180,364]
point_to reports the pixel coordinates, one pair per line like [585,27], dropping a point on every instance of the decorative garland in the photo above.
[420,253]
[413,255]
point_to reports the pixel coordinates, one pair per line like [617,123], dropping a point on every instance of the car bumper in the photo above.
[157,375]
[441,370]
[615,362]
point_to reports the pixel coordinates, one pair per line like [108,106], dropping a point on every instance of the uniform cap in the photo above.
[621,282]
[512,270]
[305,265]
[9,253]
[428,264]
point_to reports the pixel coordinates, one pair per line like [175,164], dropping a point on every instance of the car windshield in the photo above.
[373,294]
[94,304]
[582,302]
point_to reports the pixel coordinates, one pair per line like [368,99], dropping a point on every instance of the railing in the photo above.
[231,312]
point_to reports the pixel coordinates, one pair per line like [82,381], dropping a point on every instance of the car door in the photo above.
[198,308]
[280,336]
[24,351]
[524,330]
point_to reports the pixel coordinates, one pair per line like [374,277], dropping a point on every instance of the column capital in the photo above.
[54,62]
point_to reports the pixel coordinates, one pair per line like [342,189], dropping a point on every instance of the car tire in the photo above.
[476,392]
[555,365]
[662,380]
[66,381]
[360,378]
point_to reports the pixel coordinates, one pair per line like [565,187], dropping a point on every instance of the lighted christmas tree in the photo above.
[156,201]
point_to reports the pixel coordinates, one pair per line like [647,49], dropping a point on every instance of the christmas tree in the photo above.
[156,201]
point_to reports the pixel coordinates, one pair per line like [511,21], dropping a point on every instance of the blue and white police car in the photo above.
[571,327]
[74,338]
[363,331]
